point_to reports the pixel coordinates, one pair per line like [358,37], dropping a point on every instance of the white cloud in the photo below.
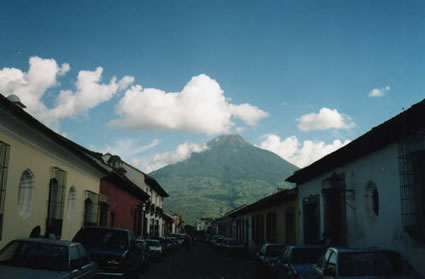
[132,151]
[200,107]
[182,152]
[299,154]
[325,119]
[379,92]
[42,75]
[128,149]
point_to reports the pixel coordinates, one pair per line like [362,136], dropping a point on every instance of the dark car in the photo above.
[268,256]
[297,261]
[365,263]
[164,243]
[113,249]
[233,247]
[155,248]
[43,258]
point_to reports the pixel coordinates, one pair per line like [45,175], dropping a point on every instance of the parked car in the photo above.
[232,247]
[268,256]
[179,236]
[155,248]
[356,263]
[113,249]
[174,242]
[297,261]
[43,258]
[144,253]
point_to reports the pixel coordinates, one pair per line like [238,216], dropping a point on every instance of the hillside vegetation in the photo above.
[230,173]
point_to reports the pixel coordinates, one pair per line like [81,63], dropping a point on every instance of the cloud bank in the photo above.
[297,153]
[325,119]
[200,107]
[43,75]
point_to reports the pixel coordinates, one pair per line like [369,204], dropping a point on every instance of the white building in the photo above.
[153,220]
[370,193]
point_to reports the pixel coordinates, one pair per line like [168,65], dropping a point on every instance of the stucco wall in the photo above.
[40,161]
[364,229]
[122,204]
[280,210]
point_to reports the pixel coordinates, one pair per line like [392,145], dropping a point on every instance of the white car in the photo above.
[155,248]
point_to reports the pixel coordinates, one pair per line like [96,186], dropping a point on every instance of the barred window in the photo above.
[4,163]
[91,209]
[25,193]
[56,202]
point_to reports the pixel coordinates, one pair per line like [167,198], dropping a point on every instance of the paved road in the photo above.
[201,262]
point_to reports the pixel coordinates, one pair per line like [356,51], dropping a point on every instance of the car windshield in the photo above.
[364,264]
[35,256]
[103,239]
[153,243]
[305,255]
[274,250]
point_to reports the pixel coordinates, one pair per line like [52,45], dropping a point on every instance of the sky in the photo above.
[154,81]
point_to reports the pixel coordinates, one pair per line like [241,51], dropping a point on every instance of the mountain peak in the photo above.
[232,139]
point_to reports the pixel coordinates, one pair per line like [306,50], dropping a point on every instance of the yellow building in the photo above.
[273,219]
[45,179]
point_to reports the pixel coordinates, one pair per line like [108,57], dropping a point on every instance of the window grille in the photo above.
[91,205]
[4,163]
[412,185]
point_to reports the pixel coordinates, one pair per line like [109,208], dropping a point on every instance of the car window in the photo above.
[364,264]
[305,255]
[35,256]
[103,239]
[274,250]
[83,255]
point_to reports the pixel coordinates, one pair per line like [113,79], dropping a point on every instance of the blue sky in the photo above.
[155,80]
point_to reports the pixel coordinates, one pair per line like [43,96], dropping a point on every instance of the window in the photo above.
[4,162]
[25,192]
[56,202]
[271,227]
[72,198]
[91,209]
[412,186]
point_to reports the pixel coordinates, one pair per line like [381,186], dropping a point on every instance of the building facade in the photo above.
[270,220]
[370,193]
[152,219]
[44,178]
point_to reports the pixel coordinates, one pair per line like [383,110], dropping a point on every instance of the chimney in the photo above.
[15,100]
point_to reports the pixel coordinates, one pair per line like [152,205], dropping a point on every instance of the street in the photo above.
[201,262]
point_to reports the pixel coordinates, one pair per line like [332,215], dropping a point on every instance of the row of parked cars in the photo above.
[309,261]
[225,245]
[94,251]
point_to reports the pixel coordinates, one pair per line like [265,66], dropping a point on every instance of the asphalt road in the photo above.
[201,262]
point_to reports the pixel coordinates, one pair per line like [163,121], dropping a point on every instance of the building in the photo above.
[203,223]
[173,223]
[371,192]
[45,178]
[152,221]
[272,219]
